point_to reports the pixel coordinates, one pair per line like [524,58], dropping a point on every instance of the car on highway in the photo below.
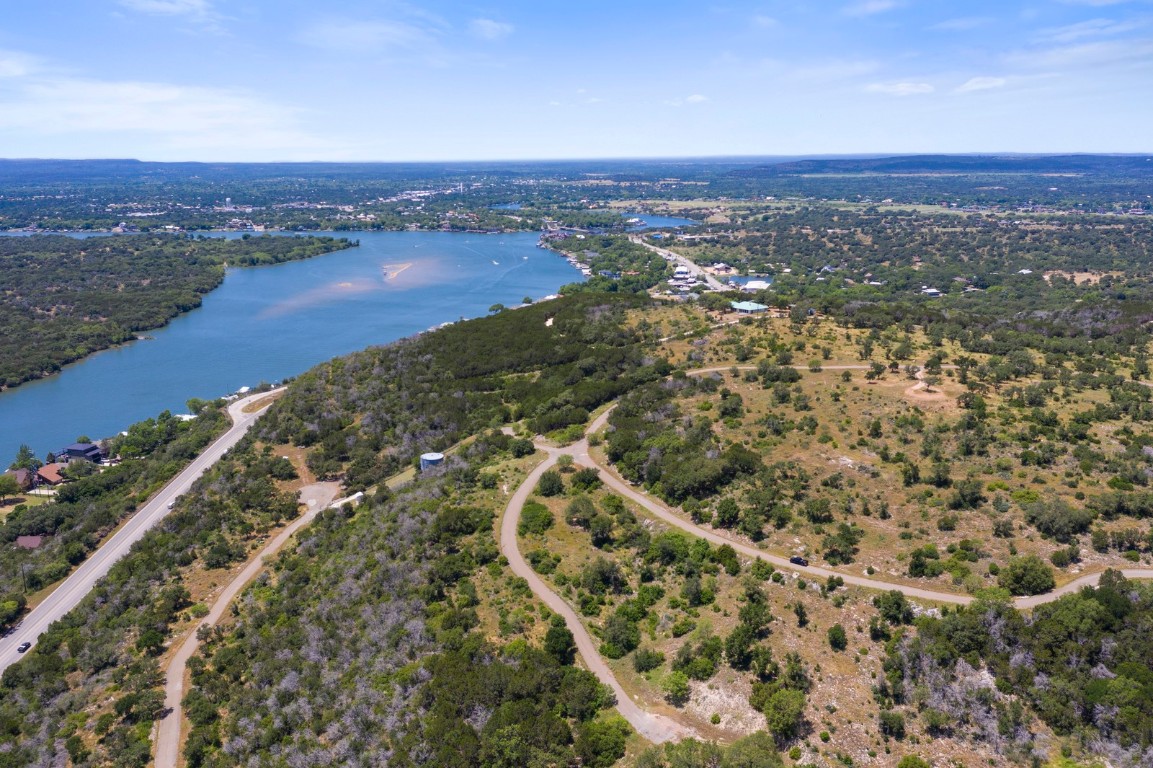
[798,560]
[23,647]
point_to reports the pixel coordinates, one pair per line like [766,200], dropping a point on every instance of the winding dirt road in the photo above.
[659,509]
[315,498]
[653,726]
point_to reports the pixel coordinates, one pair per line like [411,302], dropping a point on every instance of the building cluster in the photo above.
[51,474]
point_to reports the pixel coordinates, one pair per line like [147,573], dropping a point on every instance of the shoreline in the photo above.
[30,389]
[140,334]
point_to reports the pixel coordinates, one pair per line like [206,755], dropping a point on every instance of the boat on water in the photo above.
[392,271]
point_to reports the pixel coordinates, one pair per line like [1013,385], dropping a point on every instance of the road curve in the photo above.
[167,752]
[654,727]
[580,452]
[69,594]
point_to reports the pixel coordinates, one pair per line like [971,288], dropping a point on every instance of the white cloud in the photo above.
[963,24]
[871,7]
[695,98]
[980,84]
[13,64]
[900,89]
[765,22]
[160,116]
[487,29]
[833,70]
[1090,28]
[367,36]
[194,8]
[1094,3]
[1096,55]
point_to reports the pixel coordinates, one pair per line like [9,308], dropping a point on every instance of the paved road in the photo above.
[655,727]
[69,594]
[315,498]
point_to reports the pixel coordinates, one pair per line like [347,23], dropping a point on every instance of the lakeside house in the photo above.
[25,478]
[85,451]
[49,474]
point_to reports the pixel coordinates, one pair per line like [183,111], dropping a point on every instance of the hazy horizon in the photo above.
[509,80]
[591,159]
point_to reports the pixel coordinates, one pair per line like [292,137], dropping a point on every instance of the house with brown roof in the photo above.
[25,478]
[49,474]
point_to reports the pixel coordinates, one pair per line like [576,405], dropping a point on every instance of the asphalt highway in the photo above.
[69,594]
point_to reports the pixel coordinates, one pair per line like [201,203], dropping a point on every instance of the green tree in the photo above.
[784,713]
[837,639]
[621,635]
[586,479]
[8,486]
[150,641]
[1027,575]
[534,518]
[801,614]
[676,688]
[646,659]
[580,512]
[892,724]
[559,643]
[728,513]
[894,607]
[601,530]
[754,751]
[551,484]
[521,447]
[25,459]
[600,743]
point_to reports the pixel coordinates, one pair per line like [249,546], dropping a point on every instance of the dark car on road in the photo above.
[798,560]
[23,647]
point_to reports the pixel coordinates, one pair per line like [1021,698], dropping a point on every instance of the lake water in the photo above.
[651,222]
[743,279]
[267,323]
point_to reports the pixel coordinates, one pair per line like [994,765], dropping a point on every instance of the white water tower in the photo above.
[430,460]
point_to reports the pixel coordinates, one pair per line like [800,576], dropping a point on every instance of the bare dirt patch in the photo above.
[726,695]
[263,402]
[1080,278]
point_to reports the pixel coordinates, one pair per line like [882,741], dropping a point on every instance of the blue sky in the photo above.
[257,80]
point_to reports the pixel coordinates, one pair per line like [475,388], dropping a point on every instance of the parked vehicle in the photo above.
[798,560]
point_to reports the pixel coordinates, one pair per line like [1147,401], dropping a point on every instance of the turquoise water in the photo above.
[267,323]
